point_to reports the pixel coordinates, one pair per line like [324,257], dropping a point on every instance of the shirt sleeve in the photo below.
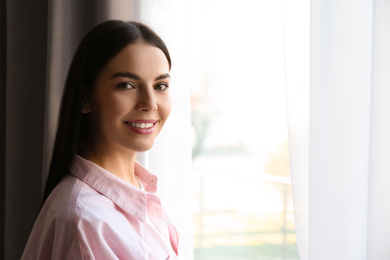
[54,240]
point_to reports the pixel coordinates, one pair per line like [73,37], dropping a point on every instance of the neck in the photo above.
[120,163]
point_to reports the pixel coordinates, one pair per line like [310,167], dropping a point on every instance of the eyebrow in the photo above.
[136,77]
[163,76]
[126,75]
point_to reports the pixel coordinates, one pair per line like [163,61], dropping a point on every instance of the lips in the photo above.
[142,127]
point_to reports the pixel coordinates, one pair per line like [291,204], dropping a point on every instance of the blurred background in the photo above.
[242,199]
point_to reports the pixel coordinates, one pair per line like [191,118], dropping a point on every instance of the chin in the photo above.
[143,150]
[142,147]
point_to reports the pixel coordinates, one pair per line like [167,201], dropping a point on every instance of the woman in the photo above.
[99,203]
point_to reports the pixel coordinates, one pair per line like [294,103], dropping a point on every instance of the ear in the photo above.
[85,107]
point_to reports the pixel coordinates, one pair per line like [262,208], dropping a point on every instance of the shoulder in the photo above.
[71,201]
[85,210]
[55,232]
[71,213]
[62,202]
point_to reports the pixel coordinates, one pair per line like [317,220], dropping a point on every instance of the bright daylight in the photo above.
[242,200]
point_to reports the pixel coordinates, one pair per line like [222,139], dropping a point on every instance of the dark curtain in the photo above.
[37,42]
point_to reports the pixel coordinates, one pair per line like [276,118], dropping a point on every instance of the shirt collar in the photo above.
[126,196]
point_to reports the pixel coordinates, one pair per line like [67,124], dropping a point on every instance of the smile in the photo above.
[142,127]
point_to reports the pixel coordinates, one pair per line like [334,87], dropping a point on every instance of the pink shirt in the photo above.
[92,214]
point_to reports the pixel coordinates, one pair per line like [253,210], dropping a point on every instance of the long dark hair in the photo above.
[97,48]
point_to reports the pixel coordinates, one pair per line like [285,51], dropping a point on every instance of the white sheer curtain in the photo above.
[296,27]
[339,126]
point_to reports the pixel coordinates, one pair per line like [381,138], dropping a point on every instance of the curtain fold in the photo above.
[379,178]
[25,70]
[296,28]
[340,101]
[346,166]
[3,66]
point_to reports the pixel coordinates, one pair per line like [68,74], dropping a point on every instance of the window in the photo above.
[241,185]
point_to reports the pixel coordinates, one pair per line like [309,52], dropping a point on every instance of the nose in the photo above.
[147,101]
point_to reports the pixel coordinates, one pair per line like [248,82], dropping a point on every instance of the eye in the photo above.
[125,85]
[161,86]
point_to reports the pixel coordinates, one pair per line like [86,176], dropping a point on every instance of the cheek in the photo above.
[112,107]
[165,108]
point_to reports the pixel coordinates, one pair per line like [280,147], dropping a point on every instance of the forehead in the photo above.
[139,58]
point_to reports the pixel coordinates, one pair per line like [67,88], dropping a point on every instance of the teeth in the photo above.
[141,125]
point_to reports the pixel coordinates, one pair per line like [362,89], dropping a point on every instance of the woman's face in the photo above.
[130,102]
